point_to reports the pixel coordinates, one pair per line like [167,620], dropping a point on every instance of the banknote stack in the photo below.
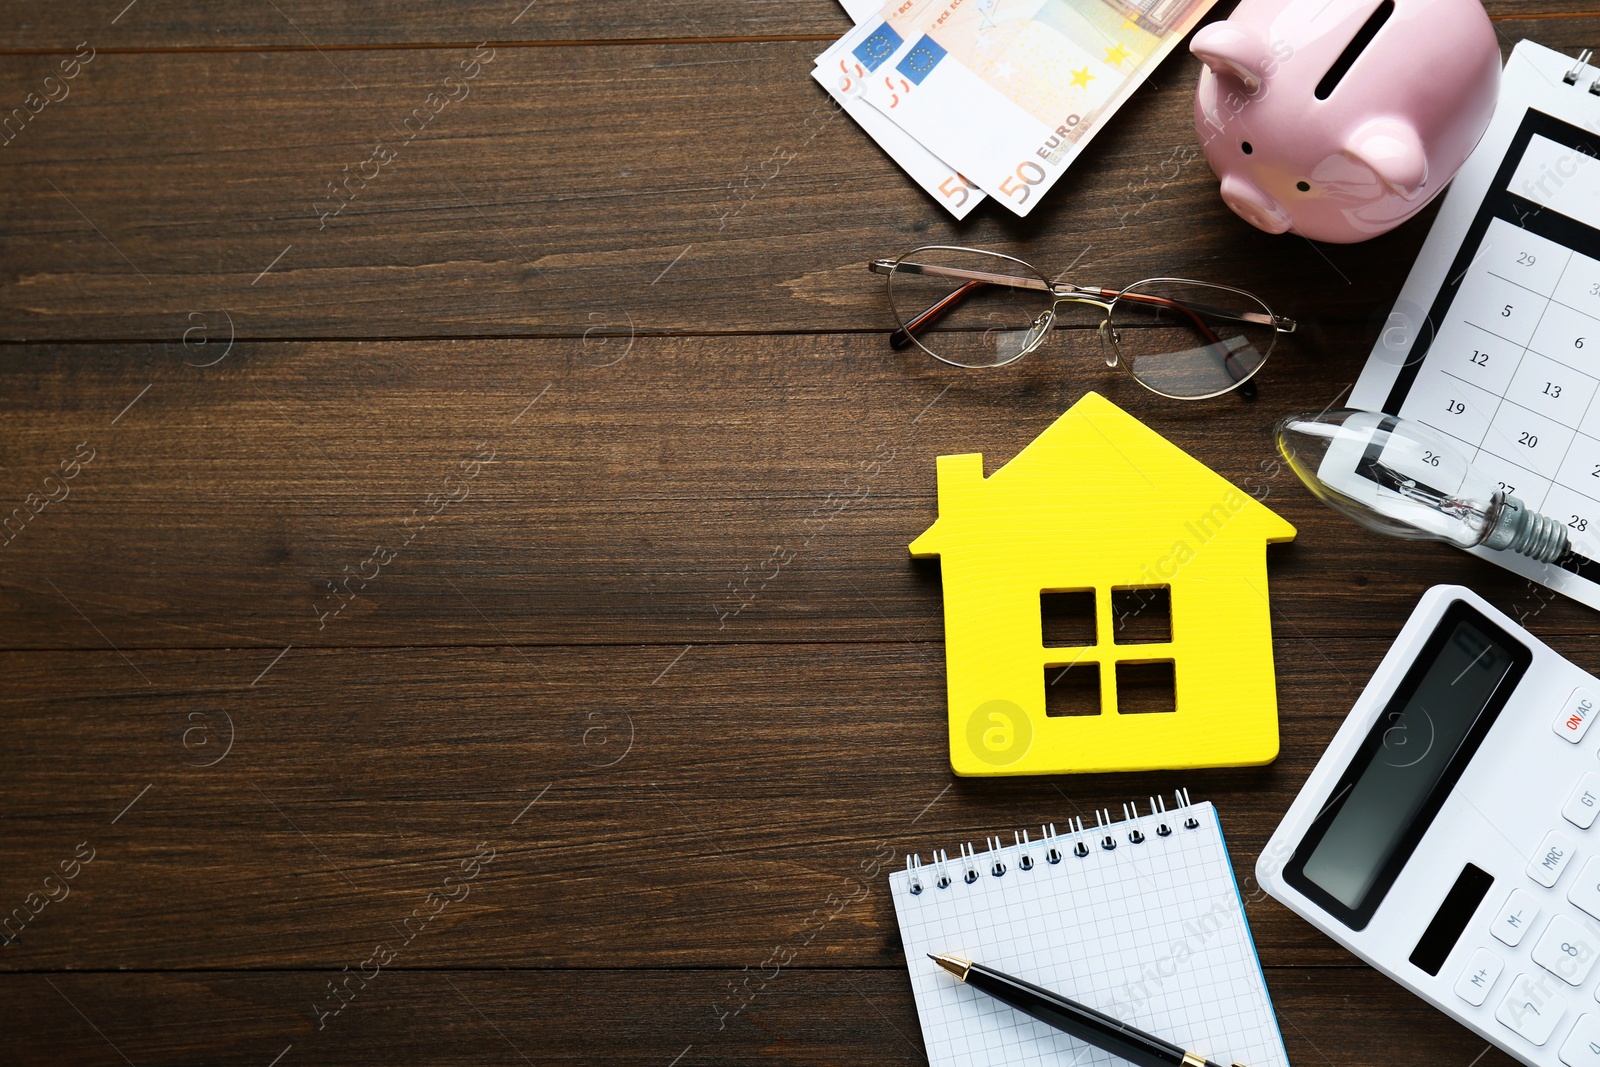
[995,97]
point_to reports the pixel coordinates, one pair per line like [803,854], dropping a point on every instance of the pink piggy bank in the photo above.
[1340,119]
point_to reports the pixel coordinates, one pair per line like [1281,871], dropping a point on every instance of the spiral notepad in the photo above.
[1140,918]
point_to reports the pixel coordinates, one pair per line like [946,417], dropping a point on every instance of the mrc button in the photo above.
[1576,714]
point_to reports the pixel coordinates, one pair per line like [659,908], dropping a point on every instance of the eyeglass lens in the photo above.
[1188,339]
[969,323]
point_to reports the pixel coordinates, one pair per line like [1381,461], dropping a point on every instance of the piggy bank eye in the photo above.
[1244,146]
[1304,187]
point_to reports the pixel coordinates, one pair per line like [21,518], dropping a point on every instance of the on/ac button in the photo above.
[1576,714]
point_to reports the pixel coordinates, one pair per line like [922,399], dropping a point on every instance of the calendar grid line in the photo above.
[1519,285]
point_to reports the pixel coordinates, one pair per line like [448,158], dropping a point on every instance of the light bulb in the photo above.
[1400,478]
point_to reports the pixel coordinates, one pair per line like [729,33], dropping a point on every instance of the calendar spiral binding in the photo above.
[1078,835]
[1571,77]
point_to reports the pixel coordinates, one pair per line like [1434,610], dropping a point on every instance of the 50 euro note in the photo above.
[843,71]
[1010,91]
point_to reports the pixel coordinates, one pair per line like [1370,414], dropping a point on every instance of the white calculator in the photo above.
[1447,836]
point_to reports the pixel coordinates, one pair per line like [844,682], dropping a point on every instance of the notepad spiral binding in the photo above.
[967,864]
[1571,77]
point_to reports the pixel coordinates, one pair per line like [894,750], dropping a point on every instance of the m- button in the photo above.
[1511,925]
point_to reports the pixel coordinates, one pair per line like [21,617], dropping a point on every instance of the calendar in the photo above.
[1495,339]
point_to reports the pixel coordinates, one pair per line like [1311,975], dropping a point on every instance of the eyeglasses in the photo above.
[1183,339]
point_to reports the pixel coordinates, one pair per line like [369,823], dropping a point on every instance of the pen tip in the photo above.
[954,964]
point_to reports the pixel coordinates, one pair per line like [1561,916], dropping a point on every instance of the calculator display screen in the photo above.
[1414,753]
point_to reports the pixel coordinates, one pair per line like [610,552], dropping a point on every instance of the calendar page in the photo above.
[1495,340]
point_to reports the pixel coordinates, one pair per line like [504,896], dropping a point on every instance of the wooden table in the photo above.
[469,635]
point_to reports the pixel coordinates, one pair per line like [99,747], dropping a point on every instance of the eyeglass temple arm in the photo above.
[903,335]
[889,266]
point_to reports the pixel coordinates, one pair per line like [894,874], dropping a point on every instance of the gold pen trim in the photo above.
[1192,1060]
[961,968]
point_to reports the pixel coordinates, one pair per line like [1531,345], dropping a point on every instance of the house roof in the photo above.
[1095,466]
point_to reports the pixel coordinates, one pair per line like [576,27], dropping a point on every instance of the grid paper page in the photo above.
[1153,934]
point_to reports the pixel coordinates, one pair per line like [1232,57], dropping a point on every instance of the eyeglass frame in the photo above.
[1062,292]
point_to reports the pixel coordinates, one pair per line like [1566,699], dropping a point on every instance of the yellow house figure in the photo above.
[1101,506]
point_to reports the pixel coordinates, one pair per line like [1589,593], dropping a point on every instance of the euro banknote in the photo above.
[843,71]
[1008,92]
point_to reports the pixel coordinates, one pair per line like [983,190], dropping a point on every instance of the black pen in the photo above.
[1079,1020]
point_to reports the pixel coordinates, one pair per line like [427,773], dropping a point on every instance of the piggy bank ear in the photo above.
[1228,48]
[1394,152]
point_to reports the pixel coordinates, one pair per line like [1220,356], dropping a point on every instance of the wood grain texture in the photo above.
[538,522]
[644,809]
[346,24]
[696,490]
[567,190]
[858,1016]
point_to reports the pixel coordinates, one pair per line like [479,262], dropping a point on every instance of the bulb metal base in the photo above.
[1527,532]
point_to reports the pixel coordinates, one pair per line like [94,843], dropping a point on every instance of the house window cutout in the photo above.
[1142,615]
[1072,690]
[1066,619]
[1146,688]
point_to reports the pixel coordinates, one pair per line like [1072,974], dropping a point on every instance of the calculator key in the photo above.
[1582,1046]
[1532,1007]
[1567,949]
[1585,892]
[1576,714]
[1584,802]
[1521,910]
[1475,982]
[1555,851]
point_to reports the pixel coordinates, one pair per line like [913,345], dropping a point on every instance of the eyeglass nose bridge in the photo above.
[1107,332]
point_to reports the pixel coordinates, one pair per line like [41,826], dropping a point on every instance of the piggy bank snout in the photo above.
[1253,205]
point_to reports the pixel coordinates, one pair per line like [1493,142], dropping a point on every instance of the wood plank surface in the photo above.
[694,490]
[530,511]
[533,205]
[303,25]
[812,1016]
[643,808]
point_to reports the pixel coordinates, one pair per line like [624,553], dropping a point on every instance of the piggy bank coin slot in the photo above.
[1357,45]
